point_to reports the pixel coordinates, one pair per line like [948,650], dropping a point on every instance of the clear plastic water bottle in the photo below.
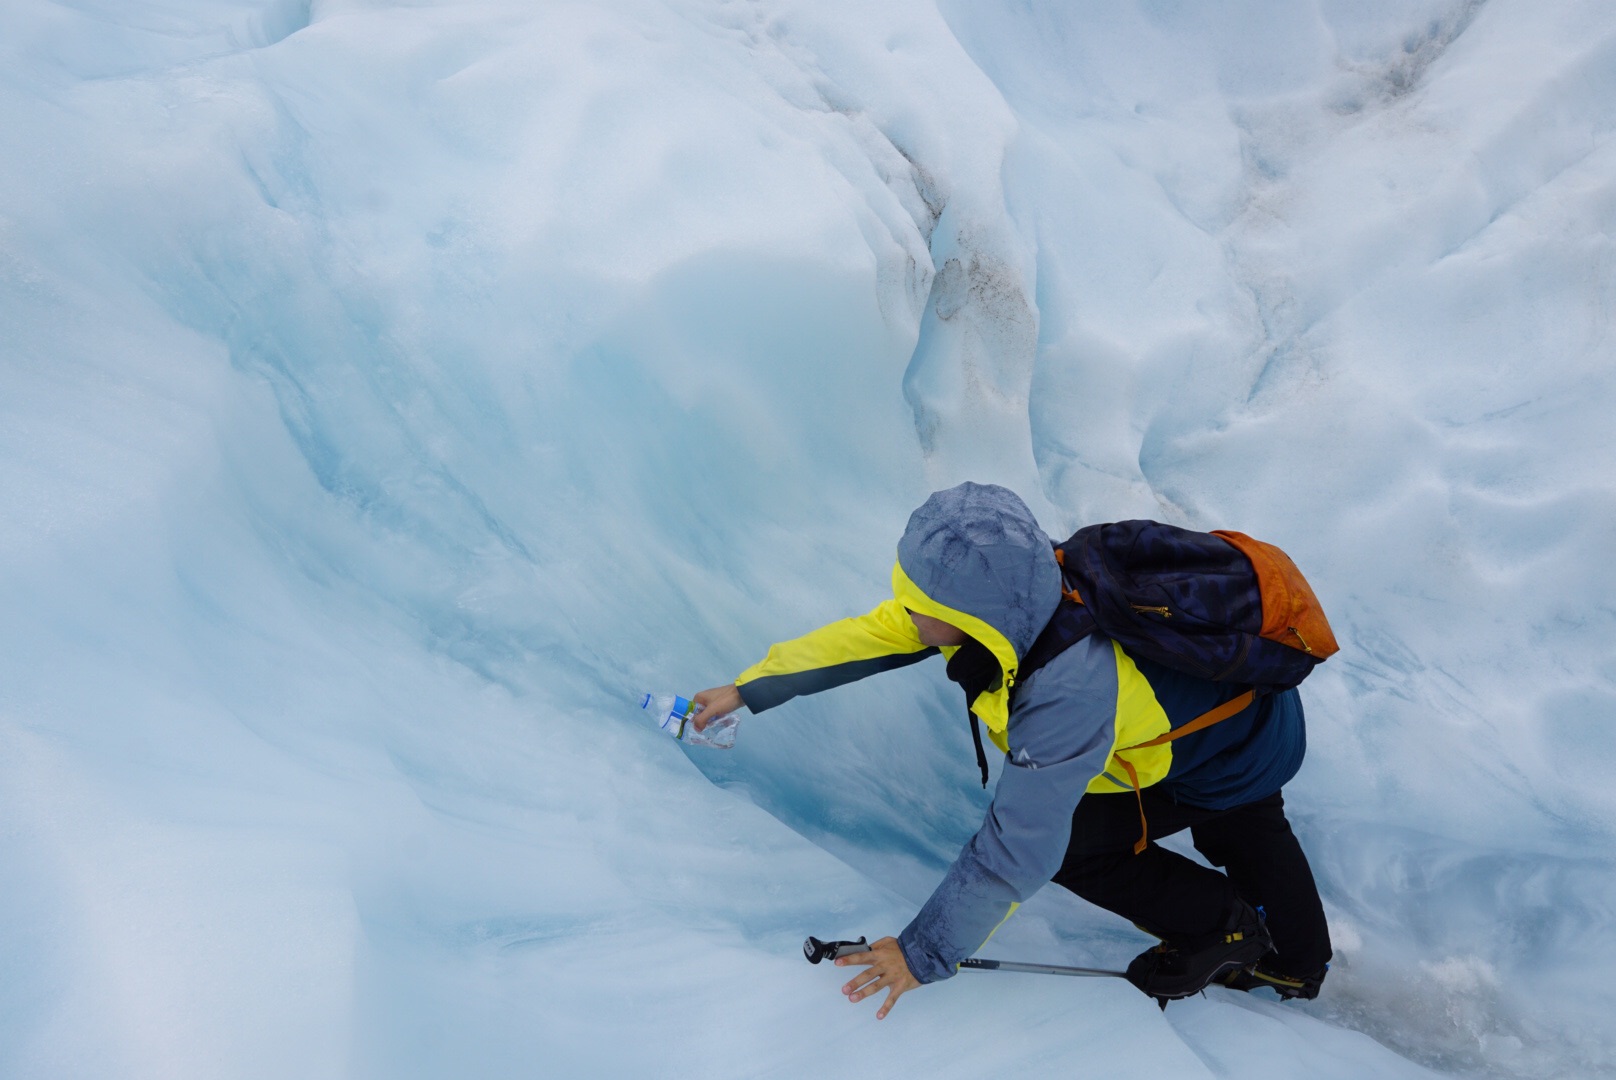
[672,714]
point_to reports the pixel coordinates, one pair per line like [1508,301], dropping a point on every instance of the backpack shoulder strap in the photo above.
[1229,708]
[1071,623]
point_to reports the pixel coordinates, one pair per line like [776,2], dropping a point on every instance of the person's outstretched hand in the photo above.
[888,970]
[715,703]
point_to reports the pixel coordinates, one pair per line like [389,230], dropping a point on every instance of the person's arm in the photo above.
[833,655]
[1060,735]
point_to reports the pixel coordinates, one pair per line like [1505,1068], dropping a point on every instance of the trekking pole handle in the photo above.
[816,950]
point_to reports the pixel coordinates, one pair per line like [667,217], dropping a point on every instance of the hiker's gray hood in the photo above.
[976,548]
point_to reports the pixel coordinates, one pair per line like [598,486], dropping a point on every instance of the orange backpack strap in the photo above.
[1200,723]
[1070,594]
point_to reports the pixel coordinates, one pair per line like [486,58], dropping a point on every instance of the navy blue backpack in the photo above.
[1218,605]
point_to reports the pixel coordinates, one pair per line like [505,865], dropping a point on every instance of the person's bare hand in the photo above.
[888,970]
[715,703]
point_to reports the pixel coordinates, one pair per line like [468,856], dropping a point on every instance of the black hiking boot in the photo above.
[1259,975]
[1179,967]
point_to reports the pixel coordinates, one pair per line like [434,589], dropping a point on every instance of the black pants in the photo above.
[1173,896]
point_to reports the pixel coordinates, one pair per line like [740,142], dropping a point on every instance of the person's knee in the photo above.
[1214,849]
[1244,832]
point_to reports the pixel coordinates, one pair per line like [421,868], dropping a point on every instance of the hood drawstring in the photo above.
[974,667]
[976,737]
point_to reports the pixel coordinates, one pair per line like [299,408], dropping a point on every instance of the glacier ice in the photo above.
[389,388]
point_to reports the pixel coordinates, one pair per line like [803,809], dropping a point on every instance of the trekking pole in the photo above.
[974,964]
[816,950]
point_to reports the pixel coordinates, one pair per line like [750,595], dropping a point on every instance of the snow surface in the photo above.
[390,390]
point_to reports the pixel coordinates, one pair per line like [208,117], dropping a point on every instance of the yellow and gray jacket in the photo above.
[974,557]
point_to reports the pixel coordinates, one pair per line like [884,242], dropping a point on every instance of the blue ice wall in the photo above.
[389,391]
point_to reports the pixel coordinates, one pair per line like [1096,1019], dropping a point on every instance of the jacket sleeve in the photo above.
[1060,736]
[845,650]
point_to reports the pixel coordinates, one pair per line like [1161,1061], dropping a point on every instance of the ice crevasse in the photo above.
[389,390]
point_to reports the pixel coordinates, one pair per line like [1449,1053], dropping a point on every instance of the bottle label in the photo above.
[675,720]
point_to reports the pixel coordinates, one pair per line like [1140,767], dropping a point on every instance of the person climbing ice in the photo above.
[1108,747]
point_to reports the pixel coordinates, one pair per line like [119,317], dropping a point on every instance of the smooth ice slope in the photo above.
[388,391]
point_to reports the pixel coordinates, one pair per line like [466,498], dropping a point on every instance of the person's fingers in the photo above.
[888,970]
[714,703]
[864,978]
[884,977]
[704,707]
[862,983]
[882,980]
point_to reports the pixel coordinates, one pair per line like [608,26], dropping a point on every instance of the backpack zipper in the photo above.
[1164,612]
[1305,646]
